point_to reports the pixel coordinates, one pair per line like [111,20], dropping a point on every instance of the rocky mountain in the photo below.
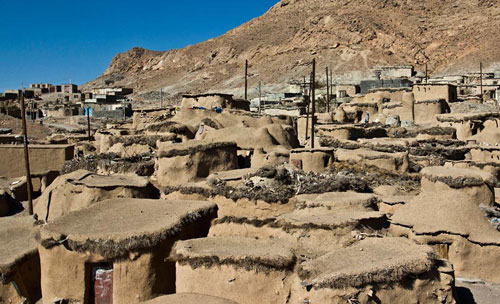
[349,36]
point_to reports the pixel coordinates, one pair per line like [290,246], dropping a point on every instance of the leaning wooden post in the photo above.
[307,109]
[260,97]
[327,92]
[305,88]
[88,123]
[26,156]
[313,100]
[331,86]
[246,79]
[426,73]
[481,81]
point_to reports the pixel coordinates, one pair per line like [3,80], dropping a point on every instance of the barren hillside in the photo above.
[350,36]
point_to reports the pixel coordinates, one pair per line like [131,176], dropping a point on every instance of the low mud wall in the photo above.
[43,158]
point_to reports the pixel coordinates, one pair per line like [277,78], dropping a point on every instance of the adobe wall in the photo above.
[425,111]
[141,119]
[319,240]
[490,167]
[464,129]
[208,102]
[245,286]
[235,284]
[271,157]
[474,260]
[432,92]
[178,170]
[315,160]
[470,260]
[26,276]
[358,110]
[243,207]
[132,281]
[482,194]
[403,108]
[69,197]
[301,126]
[341,132]
[62,112]
[395,162]
[137,277]
[9,293]
[480,129]
[349,89]
[435,287]
[485,154]
[43,158]
[378,96]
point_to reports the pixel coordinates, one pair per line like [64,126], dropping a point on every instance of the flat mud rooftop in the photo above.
[89,179]
[370,261]
[17,239]
[189,298]
[110,227]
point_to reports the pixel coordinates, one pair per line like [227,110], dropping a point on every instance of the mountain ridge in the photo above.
[350,36]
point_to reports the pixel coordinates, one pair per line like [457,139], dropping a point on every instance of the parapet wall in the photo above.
[43,158]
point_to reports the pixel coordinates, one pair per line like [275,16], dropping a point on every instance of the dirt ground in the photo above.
[479,293]
[35,130]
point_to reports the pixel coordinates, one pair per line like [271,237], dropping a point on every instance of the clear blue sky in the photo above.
[53,41]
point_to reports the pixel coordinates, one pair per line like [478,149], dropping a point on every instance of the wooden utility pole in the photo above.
[481,81]
[305,88]
[260,96]
[246,79]
[88,122]
[308,105]
[26,155]
[331,82]
[327,92]
[161,98]
[426,74]
[313,100]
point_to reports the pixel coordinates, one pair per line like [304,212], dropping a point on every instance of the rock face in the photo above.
[450,35]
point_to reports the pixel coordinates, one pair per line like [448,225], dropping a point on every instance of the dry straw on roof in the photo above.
[370,261]
[239,252]
[192,147]
[457,177]
[113,228]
